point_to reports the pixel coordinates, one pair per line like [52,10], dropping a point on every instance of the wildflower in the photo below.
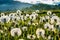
[29,23]
[29,36]
[42,19]
[5,28]
[47,26]
[5,19]
[1,31]
[27,15]
[33,17]
[53,14]
[22,17]
[33,23]
[50,37]
[12,14]
[2,14]
[49,12]
[52,21]
[47,17]
[34,13]
[6,34]
[52,27]
[16,31]
[37,11]
[58,25]
[40,32]
[21,39]
[18,11]
[55,18]
[16,18]
[24,28]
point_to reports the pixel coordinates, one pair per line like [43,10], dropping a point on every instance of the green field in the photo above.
[30,28]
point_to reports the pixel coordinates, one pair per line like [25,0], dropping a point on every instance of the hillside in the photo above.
[43,7]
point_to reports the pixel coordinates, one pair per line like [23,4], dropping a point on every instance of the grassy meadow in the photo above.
[30,25]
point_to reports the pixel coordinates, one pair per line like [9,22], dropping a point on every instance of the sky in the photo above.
[40,1]
[35,1]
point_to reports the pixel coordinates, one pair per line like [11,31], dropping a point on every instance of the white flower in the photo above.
[16,31]
[2,14]
[52,27]
[49,37]
[49,12]
[33,17]
[18,11]
[37,11]
[21,39]
[5,28]
[33,23]
[53,14]
[29,23]
[40,32]
[42,19]
[1,31]
[16,18]
[22,17]
[27,15]
[12,14]
[47,26]
[47,17]
[55,18]
[24,28]
[29,36]
[5,19]
[51,21]
[58,25]
[34,13]
[6,34]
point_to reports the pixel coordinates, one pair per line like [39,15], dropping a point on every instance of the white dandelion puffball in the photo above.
[1,31]
[5,19]
[47,25]
[21,39]
[52,27]
[22,17]
[16,31]
[42,19]
[24,28]
[55,18]
[18,11]
[37,11]
[58,23]
[29,36]
[33,17]
[49,12]
[49,37]
[47,17]
[51,21]
[40,32]
[34,13]
[27,15]
[2,14]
